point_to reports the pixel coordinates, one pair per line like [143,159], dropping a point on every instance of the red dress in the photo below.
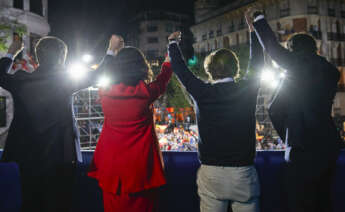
[127,157]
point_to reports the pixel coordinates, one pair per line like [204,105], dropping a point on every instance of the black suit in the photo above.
[42,135]
[301,112]
[225,111]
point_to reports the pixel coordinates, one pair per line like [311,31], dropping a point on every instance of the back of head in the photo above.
[302,43]
[129,67]
[221,64]
[51,51]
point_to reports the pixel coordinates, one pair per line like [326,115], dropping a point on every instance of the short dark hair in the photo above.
[222,63]
[51,50]
[302,42]
[129,66]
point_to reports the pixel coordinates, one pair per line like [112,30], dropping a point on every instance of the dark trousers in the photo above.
[308,181]
[49,191]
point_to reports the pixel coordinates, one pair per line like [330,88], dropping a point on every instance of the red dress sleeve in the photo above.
[158,87]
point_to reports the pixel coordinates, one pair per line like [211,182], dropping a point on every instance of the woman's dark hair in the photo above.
[302,42]
[51,50]
[129,66]
[222,63]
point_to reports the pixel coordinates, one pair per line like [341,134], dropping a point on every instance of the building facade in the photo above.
[30,15]
[150,31]
[225,27]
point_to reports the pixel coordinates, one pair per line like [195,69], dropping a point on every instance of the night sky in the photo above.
[86,25]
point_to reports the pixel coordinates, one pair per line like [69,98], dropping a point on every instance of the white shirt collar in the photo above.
[227,79]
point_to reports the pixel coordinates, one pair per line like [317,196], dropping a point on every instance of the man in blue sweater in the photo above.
[225,109]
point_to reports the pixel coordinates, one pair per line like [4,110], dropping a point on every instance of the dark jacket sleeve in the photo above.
[91,77]
[5,66]
[193,85]
[268,40]
[256,58]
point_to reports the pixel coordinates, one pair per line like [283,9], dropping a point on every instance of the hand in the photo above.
[167,59]
[116,43]
[16,47]
[175,36]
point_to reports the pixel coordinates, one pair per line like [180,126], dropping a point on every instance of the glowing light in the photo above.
[274,84]
[275,65]
[103,82]
[77,70]
[87,58]
[282,75]
[267,75]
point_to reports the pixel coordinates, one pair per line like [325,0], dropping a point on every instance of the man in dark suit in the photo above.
[42,137]
[301,113]
[225,110]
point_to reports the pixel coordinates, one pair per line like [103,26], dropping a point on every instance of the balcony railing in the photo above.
[334,36]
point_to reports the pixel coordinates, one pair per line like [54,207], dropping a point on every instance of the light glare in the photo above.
[267,75]
[87,58]
[103,82]
[77,71]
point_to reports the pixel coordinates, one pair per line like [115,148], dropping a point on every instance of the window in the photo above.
[219,30]
[211,34]
[331,9]
[169,28]
[231,27]
[18,4]
[241,24]
[152,40]
[151,28]
[204,37]
[313,7]
[36,7]
[284,8]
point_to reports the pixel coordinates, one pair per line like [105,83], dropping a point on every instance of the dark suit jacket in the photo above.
[225,111]
[304,102]
[42,133]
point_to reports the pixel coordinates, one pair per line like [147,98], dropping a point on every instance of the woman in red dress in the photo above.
[127,161]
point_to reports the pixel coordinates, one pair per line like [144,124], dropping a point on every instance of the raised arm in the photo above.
[193,85]
[256,54]
[6,62]
[269,42]
[158,86]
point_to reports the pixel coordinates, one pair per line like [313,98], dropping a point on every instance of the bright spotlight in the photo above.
[267,75]
[275,65]
[87,58]
[274,84]
[282,75]
[77,70]
[103,82]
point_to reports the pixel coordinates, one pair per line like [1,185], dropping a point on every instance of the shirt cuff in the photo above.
[9,56]
[109,52]
[259,17]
